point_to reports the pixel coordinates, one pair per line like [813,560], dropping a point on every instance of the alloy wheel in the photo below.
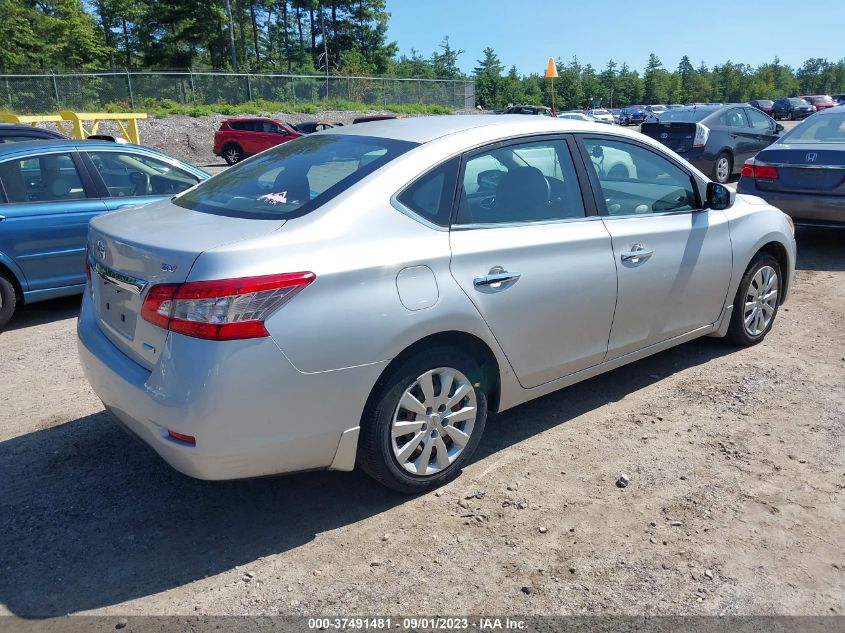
[433,421]
[723,168]
[761,300]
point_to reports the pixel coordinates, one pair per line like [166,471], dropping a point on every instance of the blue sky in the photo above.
[528,32]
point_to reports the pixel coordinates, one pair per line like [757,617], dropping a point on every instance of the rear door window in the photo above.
[47,178]
[733,118]
[293,178]
[525,182]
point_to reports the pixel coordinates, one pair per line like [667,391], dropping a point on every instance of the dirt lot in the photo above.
[735,506]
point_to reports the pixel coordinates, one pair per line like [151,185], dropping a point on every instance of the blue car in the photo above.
[632,115]
[50,189]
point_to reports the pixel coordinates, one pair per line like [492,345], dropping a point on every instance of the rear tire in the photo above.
[8,301]
[756,302]
[232,153]
[722,168]
[412,462]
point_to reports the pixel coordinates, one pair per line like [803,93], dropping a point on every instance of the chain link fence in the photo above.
[94,91]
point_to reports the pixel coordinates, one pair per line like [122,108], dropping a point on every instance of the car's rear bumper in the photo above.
[803,208]
[252,413]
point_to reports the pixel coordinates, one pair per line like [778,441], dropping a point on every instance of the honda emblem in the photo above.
[811,157]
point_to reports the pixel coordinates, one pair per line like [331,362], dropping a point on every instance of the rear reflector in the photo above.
[751,169]
[222,310]
[181,437]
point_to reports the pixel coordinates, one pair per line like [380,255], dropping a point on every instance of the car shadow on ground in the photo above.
[90,518]
[44,312]
[820,248]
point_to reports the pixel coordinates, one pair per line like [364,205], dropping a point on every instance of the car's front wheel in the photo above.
[423,421]
[756,302]
[8,300]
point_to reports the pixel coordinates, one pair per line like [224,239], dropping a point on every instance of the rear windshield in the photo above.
[820,128]
[684,115]
[294,178]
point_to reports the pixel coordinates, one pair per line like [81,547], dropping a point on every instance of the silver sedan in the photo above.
[370,295]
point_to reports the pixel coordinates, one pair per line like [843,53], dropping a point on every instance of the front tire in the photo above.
[423,421]
[756,302]
[8,301]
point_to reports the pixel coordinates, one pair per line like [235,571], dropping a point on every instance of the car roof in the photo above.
[29,147]
[428,128]
[20,127]
[840,109]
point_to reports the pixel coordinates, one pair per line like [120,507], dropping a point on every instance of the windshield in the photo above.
[821,99]
[294,178]
[820,128]
[691,114]
[599,112]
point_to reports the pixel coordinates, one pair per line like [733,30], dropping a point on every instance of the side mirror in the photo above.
[778,128]
[719,197]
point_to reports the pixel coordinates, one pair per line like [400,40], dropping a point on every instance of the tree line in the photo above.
[581,85]
[349,37]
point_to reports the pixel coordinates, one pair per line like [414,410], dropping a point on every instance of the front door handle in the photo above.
[2,217]
[495,278]
[637,254]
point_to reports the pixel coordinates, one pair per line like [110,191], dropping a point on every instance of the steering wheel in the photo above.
[674,200]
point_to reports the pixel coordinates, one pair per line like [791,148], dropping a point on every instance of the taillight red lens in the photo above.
[87,265]
[764,172]
[181,437]
[225,309]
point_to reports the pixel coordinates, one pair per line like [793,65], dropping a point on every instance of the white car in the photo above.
[365,295]
[602,116]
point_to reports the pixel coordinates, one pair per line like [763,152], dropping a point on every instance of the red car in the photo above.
[238,138]
[820,101]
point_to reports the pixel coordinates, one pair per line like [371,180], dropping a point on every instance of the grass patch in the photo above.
[161,108]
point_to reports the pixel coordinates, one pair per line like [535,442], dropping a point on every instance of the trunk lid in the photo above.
[677,136]
[134,249]
[805,168]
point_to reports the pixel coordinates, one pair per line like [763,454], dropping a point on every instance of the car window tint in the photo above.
[293,178]
[635,180]
[529,182]
[733,118]
[41,179]
[132,174]
[759,121]
[431,195]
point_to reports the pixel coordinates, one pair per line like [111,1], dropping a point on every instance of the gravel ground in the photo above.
[736,461]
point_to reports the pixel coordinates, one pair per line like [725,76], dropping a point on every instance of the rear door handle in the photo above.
[495,278]
[637,254]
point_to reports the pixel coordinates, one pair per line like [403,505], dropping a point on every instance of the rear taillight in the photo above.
[87,265]
[752,169]
[222,310]
[702,133]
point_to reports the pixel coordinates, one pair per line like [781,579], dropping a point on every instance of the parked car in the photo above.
[576,116]
[601,115]
[764,105]
[716,139]
[529,109]
[839,99]
[616,112]
[268,327]
[632,115]
[240,138]
[819,102]
[653,112]
[791,108]
[309,127]
[803,173]
[16,133]
[376,117]
[50,189]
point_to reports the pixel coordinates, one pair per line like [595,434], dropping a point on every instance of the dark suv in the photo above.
[14,133]
[791,108]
